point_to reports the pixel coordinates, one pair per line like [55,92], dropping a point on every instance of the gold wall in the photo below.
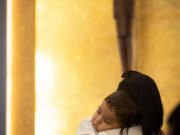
[77,62]
[158,30]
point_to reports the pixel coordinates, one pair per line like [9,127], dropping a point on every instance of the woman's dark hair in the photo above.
[174,121]
[145,94]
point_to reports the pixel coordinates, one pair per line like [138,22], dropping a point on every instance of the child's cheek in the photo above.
[93,117]
[101,127]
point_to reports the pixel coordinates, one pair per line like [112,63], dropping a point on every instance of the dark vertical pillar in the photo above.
[2,67]
[123,14]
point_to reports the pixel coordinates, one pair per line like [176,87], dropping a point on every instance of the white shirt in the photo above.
[86,128]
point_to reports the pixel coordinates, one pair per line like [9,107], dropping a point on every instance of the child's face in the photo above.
[105,118]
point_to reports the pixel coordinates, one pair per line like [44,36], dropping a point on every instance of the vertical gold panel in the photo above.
[22,68]
[77,62]
[158,30]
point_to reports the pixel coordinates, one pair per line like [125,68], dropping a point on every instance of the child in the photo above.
[113,117]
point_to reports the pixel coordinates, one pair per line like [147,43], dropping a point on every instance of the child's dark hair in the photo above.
[144,92]
[124,107]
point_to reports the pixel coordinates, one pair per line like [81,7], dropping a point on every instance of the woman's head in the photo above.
[144,92]
[117,110]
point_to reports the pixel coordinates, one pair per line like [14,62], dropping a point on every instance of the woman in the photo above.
[145,94]
[147,117]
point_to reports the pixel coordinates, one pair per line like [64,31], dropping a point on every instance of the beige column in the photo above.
[22,77]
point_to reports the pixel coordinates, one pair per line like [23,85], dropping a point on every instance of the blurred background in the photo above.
[63,59]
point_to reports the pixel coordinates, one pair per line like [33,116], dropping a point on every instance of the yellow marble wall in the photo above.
[77,62]
[158,30]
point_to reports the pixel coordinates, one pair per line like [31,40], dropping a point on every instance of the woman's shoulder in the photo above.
[110,132]
[135,130]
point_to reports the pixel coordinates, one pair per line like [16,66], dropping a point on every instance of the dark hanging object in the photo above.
[123,14]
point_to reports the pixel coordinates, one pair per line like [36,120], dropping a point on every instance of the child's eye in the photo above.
[107,122]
